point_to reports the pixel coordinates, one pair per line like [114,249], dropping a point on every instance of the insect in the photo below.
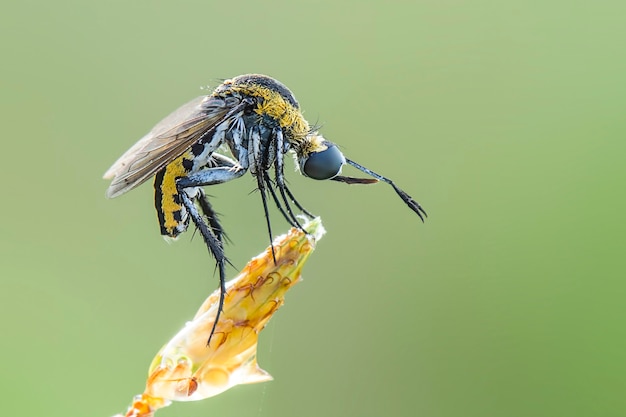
[255,120]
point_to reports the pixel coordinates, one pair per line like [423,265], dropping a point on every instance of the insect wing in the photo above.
[165,142]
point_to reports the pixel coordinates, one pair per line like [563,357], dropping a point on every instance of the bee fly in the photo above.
[258,120]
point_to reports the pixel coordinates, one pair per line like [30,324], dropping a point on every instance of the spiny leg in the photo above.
[219,170]
[270,186]
[302,209]
[261,186]
[211,216]
[280,178]
[266,163]
[215,247]
[210,176]
[222,161]
[262,163]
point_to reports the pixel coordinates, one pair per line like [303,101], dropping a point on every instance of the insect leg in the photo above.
[217,160]
[210,176]
[280,178]
[210,234]
[270,187]
[211,216]
[215,247]
[302,209]
[261,159]
[291,219]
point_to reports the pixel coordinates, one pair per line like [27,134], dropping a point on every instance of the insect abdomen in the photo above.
[172,214]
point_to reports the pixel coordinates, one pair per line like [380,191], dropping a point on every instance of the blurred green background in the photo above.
[504,119]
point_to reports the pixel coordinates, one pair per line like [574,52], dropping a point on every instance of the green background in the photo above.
[504,119]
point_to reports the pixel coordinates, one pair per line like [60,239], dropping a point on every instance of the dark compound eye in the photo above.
[325,164]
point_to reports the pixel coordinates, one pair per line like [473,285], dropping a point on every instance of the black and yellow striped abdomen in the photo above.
[172,214]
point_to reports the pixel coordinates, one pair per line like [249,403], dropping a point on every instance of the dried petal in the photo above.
[186,369]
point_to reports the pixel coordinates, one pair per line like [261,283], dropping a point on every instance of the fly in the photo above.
[258,120]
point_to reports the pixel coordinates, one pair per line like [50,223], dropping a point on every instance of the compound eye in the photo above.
[325,164]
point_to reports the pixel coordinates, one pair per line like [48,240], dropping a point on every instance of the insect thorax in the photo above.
[273,101]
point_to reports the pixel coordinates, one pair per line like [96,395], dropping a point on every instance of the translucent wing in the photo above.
[169,139]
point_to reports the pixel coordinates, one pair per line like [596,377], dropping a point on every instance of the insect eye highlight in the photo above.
[323,165]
